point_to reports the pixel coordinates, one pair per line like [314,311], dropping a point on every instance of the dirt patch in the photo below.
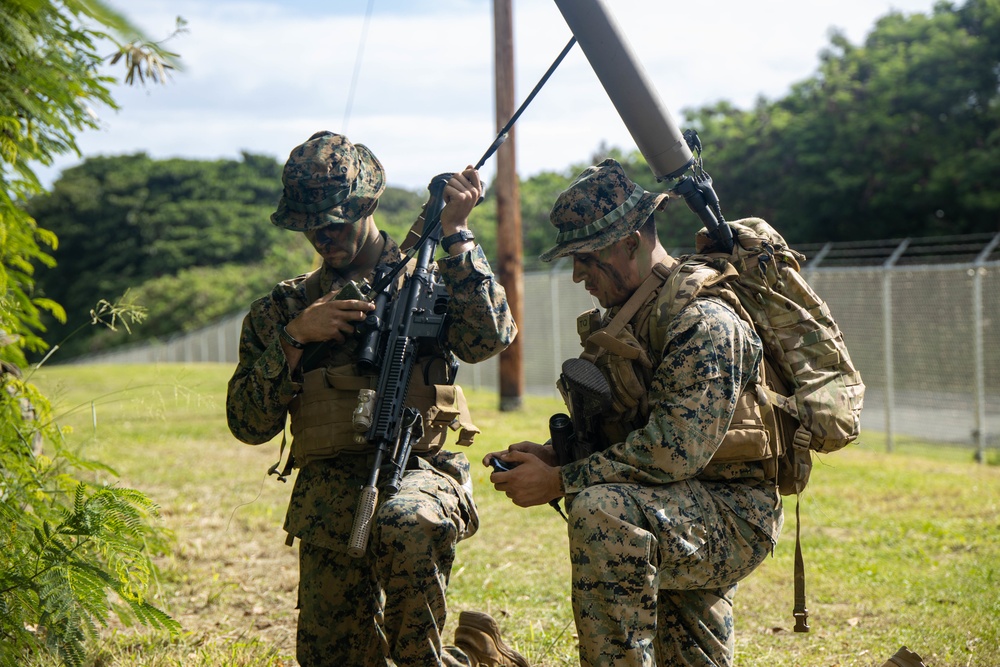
[229,576]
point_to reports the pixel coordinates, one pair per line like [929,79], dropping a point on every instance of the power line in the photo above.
[357,65]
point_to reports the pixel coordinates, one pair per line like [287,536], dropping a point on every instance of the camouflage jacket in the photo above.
[479,325]
[707,356]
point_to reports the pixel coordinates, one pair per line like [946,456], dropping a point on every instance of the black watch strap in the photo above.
[458,237]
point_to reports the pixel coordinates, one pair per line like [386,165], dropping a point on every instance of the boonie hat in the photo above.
[328,180]
[600,207]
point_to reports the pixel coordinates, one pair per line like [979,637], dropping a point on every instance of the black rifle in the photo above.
[391,346]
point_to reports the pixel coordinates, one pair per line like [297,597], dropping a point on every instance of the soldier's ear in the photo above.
[632,242]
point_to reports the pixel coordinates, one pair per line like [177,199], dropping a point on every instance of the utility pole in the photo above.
[508,198]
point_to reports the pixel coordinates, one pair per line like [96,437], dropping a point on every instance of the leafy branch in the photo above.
[148,59]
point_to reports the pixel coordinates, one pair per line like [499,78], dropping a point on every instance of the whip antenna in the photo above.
[502,136]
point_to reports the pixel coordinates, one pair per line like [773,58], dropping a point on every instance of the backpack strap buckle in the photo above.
[802,438]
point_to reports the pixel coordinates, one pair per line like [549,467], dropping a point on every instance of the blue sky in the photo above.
[263,75]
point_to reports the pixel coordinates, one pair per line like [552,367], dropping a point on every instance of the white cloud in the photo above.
[263,75]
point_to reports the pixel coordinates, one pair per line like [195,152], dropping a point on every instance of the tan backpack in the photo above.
[808,377]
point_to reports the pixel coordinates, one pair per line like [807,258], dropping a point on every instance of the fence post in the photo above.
[887,355]
[222,351]
[979,361]
[890,370]
[556,335]
[977,343]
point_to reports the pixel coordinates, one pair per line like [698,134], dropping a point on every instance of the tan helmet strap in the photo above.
[312,286]
[289,462]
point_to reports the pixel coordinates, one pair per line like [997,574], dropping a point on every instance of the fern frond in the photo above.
[154,617]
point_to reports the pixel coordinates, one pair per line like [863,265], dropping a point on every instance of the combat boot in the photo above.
[904,657]
[478,635]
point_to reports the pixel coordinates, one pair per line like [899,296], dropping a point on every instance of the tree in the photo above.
[129,219]
[191,239]
[896,137]
[69,554]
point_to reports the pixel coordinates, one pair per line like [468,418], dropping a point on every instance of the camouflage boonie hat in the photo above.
[328,180]
[601,206]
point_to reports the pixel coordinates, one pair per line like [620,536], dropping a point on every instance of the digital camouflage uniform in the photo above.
[390,602]
[659,536]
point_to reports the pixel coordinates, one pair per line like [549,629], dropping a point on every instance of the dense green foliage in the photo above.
[71,553]
[897,137]
[193,238]
[127,220]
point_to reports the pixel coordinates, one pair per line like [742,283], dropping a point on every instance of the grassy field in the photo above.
[900,549]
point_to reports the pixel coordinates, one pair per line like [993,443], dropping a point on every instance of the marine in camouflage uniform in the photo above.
[659,533]
[388,606]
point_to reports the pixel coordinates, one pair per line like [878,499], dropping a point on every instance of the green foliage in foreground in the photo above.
[72,554]
[899,548]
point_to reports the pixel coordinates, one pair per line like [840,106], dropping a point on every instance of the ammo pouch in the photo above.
[586,393]
[754,432]
[628,369]
[323,414]
[747,438]
[761,432]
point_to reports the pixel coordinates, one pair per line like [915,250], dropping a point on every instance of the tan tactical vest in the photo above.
[325,416]
[624,350]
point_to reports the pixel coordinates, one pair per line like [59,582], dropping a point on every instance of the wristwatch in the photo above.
[458,237]
[288,338]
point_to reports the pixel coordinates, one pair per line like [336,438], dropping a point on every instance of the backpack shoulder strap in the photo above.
[695,275]
[608,336]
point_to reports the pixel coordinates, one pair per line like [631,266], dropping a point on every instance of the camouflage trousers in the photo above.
[388,607]
[654,573]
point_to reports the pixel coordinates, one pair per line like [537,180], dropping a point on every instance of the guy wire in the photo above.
[357,64]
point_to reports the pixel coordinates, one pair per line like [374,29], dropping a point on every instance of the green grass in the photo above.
[900,549]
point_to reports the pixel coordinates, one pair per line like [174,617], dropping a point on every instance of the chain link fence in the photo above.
[925,335]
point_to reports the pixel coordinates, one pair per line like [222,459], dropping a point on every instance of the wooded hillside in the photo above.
[896,137]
